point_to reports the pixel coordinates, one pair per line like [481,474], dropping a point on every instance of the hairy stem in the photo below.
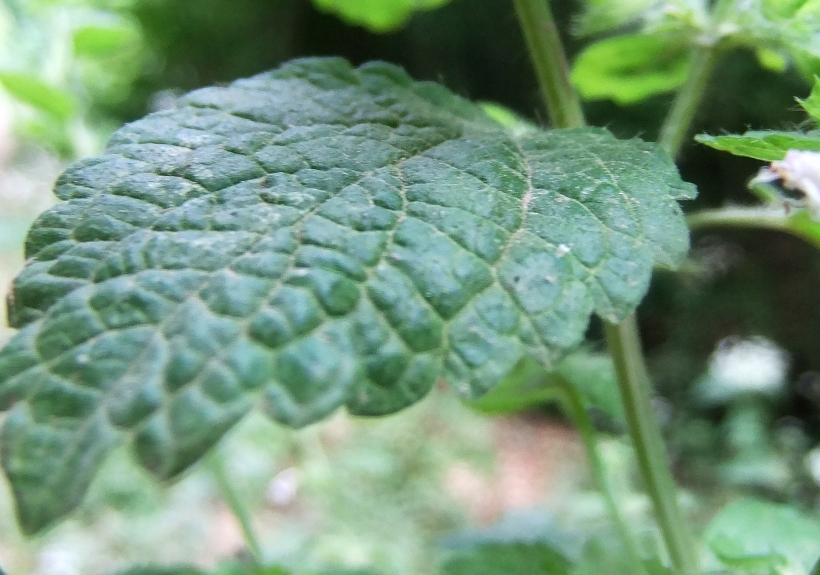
[676,126]
[234,503]
[625,348]
[563,105]
[574,407]
[550,63]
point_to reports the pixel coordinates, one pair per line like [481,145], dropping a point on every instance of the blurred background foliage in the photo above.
[369,494]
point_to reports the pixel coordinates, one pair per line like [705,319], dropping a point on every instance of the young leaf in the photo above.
[767,145]
[312,237]
[755,534]
[104,41]
[630,68]
[812,104]
[377,15]
[505,559]
[34,92]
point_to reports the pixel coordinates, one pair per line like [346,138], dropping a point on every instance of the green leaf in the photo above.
[506,559]
[630,68]
[377,15]
[34,92]
[104,41]
[812,104]
[768,145]
[529,385]
[752,534]
[602,15]
[161,570]
[310,238]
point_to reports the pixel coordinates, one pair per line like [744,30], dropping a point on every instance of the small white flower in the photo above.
[755,365]
[799,170]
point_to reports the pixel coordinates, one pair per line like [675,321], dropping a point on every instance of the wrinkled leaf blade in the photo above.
[36,93]
[310,238]
[767,145]
[377,15]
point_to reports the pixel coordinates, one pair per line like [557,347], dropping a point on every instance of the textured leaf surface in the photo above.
[377,15]
[767,145]
[309,238]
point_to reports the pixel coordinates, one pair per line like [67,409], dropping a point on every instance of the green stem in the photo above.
[740,217]
[234,503]
[574,407]
[625,348]
[563,105]
[679,119]
[550,63]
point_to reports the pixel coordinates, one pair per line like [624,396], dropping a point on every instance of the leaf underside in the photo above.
[309,238]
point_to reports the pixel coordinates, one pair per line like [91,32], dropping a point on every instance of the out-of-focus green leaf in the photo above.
[767,145]
[377,15]
[36,93]
[104,41]
[629,68]
[529,385]
[772,60]
[507,118]
[752,534]
[509,559]
[161,570]
[812,103]
[602,15]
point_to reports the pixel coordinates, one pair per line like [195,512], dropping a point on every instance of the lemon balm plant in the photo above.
[324,236]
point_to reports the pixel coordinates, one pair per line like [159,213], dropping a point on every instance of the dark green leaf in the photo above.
[630,68]
[750,534]
[377,15]
[36,93]
[313,237]
[508,559]
[763,145]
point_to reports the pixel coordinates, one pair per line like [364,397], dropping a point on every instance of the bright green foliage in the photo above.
[104,41]
[499,559]
[38,94]
[313,237]
[630,68]
[762,537]
[768,145]
[812,104]
[771,145]
[377,15]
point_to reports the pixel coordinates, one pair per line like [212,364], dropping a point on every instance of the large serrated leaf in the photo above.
[312,237]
